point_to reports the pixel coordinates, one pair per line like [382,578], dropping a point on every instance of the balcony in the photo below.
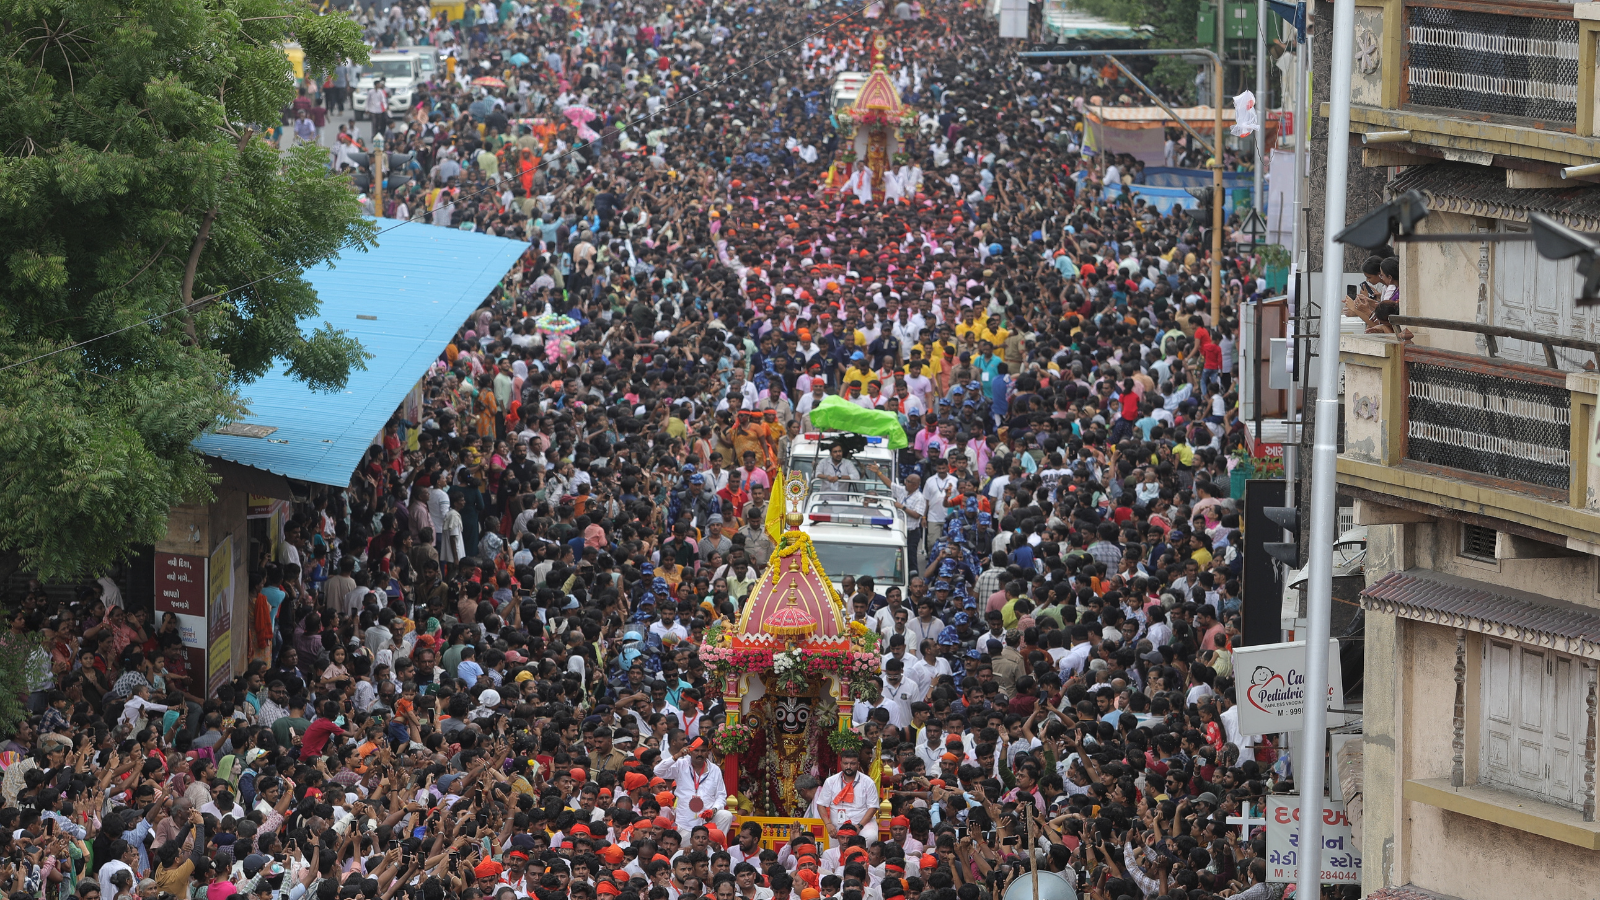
[1430,428]
[1472,80]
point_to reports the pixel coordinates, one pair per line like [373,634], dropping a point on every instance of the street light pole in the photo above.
[1324,459]
[379,158]
[1216,193]
[1216,159]
[1261,106]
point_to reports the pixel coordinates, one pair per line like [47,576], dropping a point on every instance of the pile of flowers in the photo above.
[841,741]
[789,671]
[864,639]
[904,116]
[732,738]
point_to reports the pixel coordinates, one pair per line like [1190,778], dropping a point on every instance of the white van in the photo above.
[846,88]
[401,71]
[858,534]
[807,450]
[854,525]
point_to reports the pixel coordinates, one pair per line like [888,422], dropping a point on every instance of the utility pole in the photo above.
[1216,189]
[1261,107]
[1324,459]
[379,159]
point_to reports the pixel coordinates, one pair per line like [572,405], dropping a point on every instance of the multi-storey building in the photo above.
[1471,454]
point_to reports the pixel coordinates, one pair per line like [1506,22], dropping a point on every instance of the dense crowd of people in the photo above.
[474,673]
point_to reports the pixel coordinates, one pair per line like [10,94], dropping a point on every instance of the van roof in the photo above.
[827,533]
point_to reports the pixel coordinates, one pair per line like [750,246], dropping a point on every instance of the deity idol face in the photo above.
[793,714]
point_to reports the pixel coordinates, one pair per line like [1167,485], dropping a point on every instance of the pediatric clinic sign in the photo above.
[1341,861]
[1270,682]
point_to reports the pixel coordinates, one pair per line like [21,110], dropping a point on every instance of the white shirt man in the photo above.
[1230,727]
[899,692]
[937,490]
[807,403]
[698,786]
[883,619]
[377,100]
[849,797]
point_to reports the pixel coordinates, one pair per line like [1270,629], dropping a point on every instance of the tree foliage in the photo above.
[151,243]
[1174,24]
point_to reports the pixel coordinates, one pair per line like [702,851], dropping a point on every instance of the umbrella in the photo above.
[488,81]
[519,59]
[580,117]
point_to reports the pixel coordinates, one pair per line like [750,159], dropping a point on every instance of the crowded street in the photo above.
[562,636]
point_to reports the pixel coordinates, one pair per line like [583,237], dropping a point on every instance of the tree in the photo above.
[151,243]
[1174,25]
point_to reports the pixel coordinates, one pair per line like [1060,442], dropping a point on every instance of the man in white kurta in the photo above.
[698,788]
[849,796]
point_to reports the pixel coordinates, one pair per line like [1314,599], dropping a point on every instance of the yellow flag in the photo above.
[775,508]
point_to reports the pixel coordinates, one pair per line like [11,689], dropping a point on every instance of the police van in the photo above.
[854,524]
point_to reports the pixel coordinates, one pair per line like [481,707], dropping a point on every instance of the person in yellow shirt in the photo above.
[860,370]
[994,331]
[969,323]
[932,356]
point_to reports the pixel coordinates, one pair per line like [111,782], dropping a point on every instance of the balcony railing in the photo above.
[1497,422]
[1519,66]
[1428,428]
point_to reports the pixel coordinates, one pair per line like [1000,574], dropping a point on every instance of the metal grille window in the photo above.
[1504,65]
[1477,542]
[1489,424]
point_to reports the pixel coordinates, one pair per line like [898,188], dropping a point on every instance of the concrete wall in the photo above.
[1365,185]
[1441,281]
[1408,731]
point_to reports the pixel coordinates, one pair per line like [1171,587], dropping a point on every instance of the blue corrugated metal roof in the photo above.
[420,283]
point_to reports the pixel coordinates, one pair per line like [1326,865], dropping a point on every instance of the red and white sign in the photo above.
[181,592]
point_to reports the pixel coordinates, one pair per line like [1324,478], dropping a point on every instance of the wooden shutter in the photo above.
[1562,743]
[1535,294]
[1532,717]
[1534,704]
[1499,682]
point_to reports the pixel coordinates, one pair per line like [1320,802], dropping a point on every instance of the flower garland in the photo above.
[725,661]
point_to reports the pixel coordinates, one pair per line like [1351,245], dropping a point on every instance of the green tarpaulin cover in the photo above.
[838,414]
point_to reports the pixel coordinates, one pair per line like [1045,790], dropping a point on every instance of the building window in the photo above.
[1477,542]
[1532,725]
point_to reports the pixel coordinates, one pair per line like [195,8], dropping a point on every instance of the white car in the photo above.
[856,533]
[402,74]
[807,450]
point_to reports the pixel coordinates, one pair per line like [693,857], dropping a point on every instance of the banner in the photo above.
[1279,185]
[1341,861]
[181,591]
[219,617]
[1165,198]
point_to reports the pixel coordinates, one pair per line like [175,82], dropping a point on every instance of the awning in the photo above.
[1408,892]
[403,300]
[1423,595]
[1481,191]
[1142,116]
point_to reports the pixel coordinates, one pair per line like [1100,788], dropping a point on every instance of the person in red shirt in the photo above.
[320,729]
[1210,363]
[1127,414]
